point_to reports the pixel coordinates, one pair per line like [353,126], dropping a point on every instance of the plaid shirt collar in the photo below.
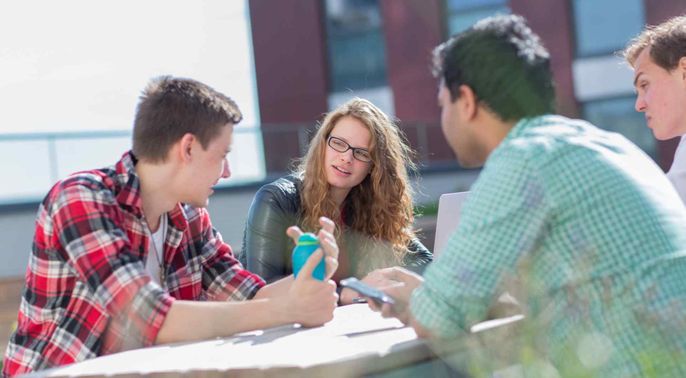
[129,195]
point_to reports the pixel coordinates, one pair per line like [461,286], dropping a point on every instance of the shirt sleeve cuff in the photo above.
[137,323]
[433,315]
[151,306]
[258,284]
[240,285]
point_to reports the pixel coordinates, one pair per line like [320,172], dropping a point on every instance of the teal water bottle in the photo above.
[307,244]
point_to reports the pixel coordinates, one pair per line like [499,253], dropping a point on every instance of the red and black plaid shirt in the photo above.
[87,290]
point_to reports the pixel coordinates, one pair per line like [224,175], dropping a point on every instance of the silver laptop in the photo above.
[449,207]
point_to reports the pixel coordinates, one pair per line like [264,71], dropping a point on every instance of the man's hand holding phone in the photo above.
[400,292]
[366,291]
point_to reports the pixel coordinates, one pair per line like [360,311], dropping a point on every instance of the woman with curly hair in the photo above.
[355,173]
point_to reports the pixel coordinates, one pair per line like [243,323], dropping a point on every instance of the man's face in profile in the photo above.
[207,167]
[661,96]
[458,132]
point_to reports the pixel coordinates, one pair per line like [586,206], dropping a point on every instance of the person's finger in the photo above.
[294,233]
[330,247]
[396,273]
[324,235]
[327,224]
[372,305]
[377,280]
[333,286]
[386,273]
[374,275]
[391,287]
[331,266]
[387,311]
[309,266]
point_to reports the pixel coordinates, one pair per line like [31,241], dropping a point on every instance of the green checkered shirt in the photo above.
[592,233]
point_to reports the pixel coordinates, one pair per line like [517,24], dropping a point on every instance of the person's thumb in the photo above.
[309,266]
[294,233]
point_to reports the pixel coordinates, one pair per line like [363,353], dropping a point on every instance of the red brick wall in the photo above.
[412,28]
[552,21]
[290,65]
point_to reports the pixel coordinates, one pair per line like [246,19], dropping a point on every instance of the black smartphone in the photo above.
[378,296]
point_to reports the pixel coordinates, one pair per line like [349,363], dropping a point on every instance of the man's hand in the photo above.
[327,242]
[374,279]
[309,301]
[402,284]
[305,300]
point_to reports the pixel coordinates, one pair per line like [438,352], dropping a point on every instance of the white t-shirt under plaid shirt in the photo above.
[594,232]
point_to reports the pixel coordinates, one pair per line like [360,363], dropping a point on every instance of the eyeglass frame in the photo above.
[354,149]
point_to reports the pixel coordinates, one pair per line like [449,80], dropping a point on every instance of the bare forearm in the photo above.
[306,301]
[275,289]
[191,320]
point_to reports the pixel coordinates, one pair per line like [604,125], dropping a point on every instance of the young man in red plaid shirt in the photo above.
[126,256]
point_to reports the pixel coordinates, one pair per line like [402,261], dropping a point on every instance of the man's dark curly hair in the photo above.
[505,65]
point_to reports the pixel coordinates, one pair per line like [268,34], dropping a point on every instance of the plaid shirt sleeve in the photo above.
[86,227]
[224,277]
[501,220]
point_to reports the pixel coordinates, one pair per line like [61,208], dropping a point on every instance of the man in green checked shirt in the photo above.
[586,223]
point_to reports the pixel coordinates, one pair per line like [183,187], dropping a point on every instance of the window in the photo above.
[618,115]
[464,13]
[603,27]
[354,26]
[86,83]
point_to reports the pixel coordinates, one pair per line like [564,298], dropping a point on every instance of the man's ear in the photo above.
[468,102]
[681,66]
[185,146]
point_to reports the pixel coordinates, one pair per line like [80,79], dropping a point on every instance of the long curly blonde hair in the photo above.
[380,207]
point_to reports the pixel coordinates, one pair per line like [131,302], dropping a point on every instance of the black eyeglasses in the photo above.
[340,145]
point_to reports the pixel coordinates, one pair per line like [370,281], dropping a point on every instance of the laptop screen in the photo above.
[449,207]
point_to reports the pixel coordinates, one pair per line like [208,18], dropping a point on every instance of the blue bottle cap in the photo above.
[307,244]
